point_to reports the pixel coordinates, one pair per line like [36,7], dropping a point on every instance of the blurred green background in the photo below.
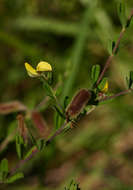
[72,36]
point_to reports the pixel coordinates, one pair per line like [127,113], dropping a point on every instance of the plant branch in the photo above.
[114,51]
[22,162]
[59,131]
[116,95]
[109,60]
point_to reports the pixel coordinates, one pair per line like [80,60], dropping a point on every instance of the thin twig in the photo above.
[22,162]
[116,95]
[107,64]
[109,60]
[59,131]
[56,100]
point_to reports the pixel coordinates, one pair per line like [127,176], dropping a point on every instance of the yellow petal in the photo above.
[43,66]
[31,71]
[105,88]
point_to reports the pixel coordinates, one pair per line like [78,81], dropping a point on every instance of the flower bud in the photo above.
[105,88]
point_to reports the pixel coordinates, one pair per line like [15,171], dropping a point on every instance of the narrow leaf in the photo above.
[95,73]
[48,90]
[73,186]
[57,120]
[66,102]
[111,45]
[31,136]
[59,112]
[32,150]
[121,9]
[4,166]
[130,79]
[129,21]
[40,144]
[128,82]
[102,84]
[19,142]
[15,177]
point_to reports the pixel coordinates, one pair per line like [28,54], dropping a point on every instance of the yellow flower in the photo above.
[31,71]
[43,66]
[105,88]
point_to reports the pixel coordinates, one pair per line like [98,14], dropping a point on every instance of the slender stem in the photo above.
[59,131]
[22,162]
[109,60]
[116,95]
[45,100]
[57,101]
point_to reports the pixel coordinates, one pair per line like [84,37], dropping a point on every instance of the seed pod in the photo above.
[22,129]
[42,130]
[78,103]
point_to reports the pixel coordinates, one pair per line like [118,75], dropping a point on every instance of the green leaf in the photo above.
[102,83]
[72,186]
[31,136]
[40,144]
[95,73]
[48,89]
[111,45]
[121,9]
[30,152]
[59,112]
[128,82]
[66,101]
[3,168]
[57,120]
[129,21]
[58,91]
[15,177]
[19,143]
[130,79]
[1,176]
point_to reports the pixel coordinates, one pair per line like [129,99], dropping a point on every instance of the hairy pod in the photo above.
[22,129]
[78,102]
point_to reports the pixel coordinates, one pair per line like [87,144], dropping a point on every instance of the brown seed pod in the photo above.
[22,127]
[78,102]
